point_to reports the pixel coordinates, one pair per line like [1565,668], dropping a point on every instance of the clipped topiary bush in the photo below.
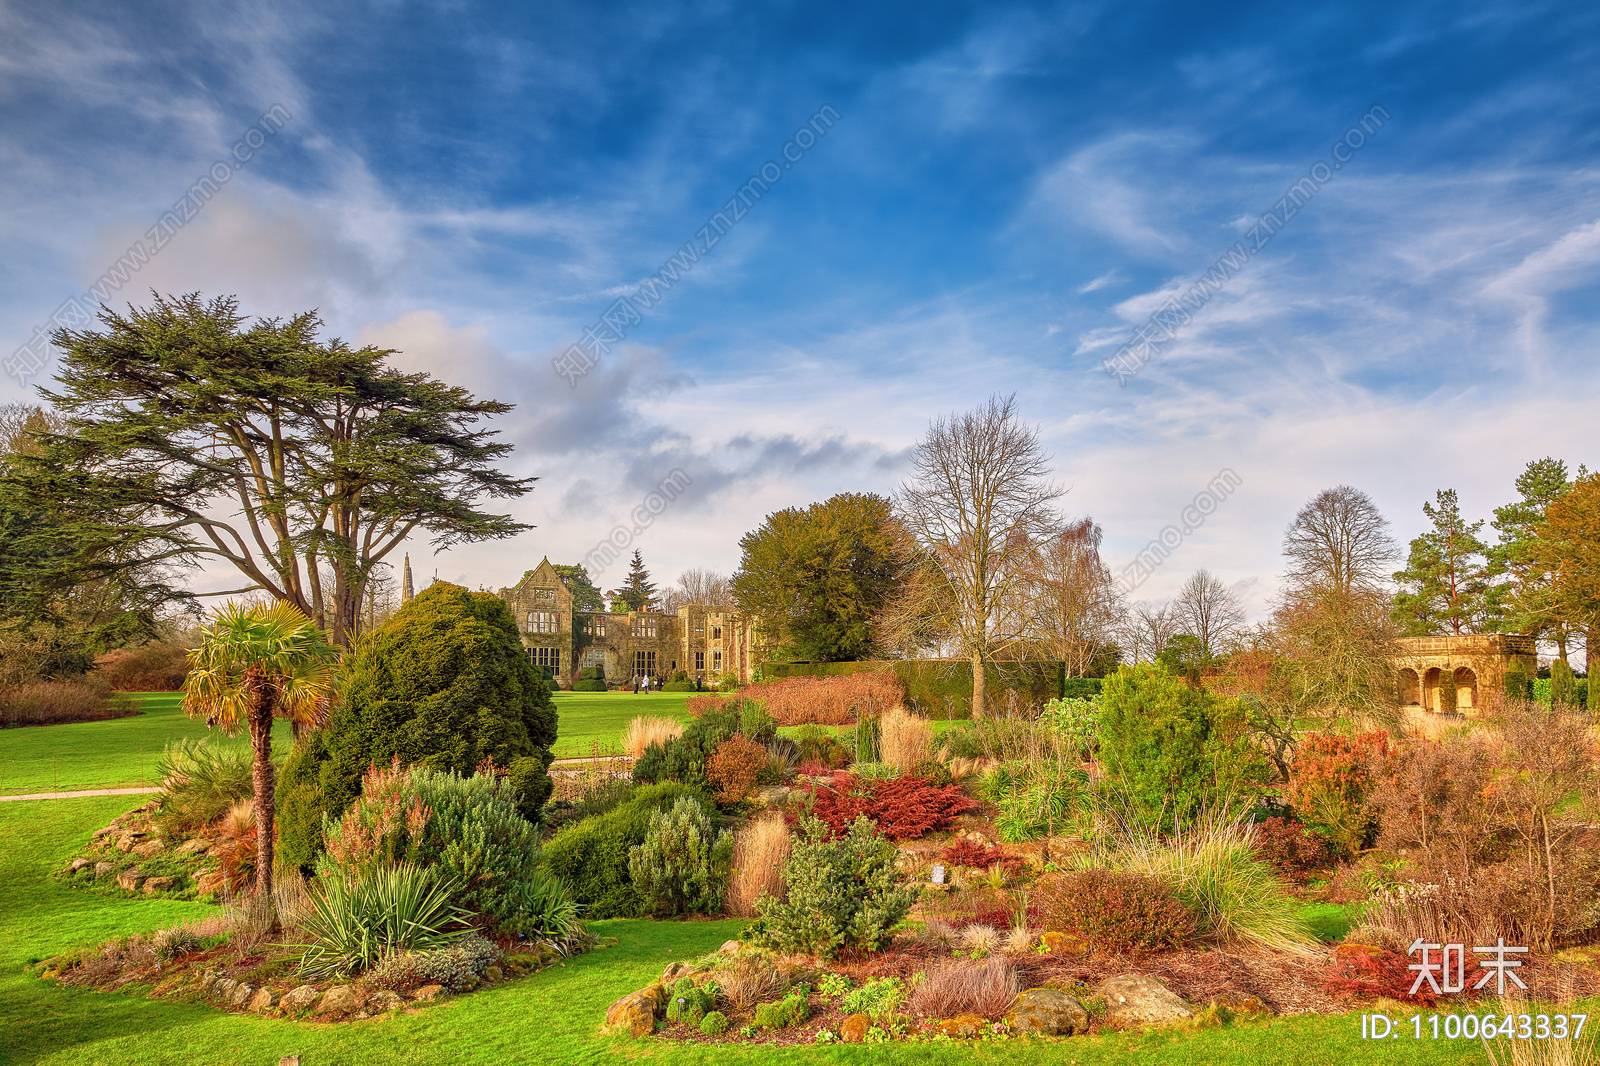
[445,683]
[790,1010]
[591,857]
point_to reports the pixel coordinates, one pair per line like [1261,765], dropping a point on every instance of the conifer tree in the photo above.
[1446,577]
[639,592]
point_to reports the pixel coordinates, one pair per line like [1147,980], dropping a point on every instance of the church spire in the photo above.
[406,591]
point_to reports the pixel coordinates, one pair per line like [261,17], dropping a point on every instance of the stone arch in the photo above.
[1466,689]
[1430,690]
[1410,688]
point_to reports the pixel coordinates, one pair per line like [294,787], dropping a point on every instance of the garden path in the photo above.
[80,795]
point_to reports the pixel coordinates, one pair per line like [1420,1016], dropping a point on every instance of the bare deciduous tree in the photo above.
[705,587]
[1070,603]
[1339,541]
[1146,630]
[977,501]
[1209,611]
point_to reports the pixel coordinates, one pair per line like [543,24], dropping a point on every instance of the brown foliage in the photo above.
[748,980]
[1123,911]
[152,668]
[906,740]
[819,700]
[760,850]
[646,730]
[985,987]
[735,767]
[51,702]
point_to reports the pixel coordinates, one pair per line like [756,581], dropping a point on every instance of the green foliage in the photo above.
[466,829]
[1035,798]
[684,759]
[593,685]
[714,1024]
[1076,721]
[689,1003]
[942,688]
[790,1010]
[1081,688]
[683,864]
[457,967]
[1562,689]
[585,597]
[591,857]
[200,781]
[817,576]
[679,686]
[639,592]
[819,744]
[1518,685]
[844,893]
[1444,586]
[1117,909]
[1173,750]
[1447,692]
[357,919]
[868,738]
[877,999]
[446,684]
[833,985]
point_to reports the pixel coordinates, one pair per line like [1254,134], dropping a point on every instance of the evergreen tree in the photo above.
[445,683]
[816,577]
[639,592]
[585,597]
[1446,577]
[1531,604]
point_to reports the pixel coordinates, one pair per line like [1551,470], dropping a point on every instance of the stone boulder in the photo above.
[1048,1012]
[223,988]
[634,1013]
[130,880]
[341,999]
[772,795]
[148,848]
[383,1001]
[194,847]
[853,1030]
[298,999]
[674,971]
[127,841]
[1139,1000]
[241,994]
[729,947]
[427,992]
[77,864]
[211,882]
[159,884]
[263,1000]
[103,868]
[962,1025]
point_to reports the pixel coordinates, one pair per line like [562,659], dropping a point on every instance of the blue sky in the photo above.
[1009,191]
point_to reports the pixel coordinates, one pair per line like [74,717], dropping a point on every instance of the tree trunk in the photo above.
[979,679]
[1591,655]
[261,689]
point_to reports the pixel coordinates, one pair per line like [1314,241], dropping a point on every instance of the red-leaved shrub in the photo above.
[1115,909]
[903,807]
[152,668]
[1331,782]
[1292,849]
[1364,970]
[969,853]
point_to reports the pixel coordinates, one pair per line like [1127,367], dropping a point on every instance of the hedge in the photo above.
[942,688]
[589,685]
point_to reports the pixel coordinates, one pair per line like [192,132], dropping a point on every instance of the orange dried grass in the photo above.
[819,700]
[646,730]
[760,851]
[905,740]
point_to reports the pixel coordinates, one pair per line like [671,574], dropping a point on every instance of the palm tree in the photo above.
[253,663]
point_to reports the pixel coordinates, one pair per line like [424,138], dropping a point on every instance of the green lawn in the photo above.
[588,719]
[123,751]
[550,1018]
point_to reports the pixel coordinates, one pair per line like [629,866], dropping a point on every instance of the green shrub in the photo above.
[1080,688]
[934,773]
[683,864]
[1561,684]
[357,919]
[684,759]
[679,675]
[963,741]
[445,683]
[456,967]
[689,1002]
[715,1023]
[877,999]
[1035,798]
[591,857]
[1518,685]
[844,893]
[592,673]
[869,739]
[601,793]
[682,686]
[819,744]
[1076,720]
[467,829]
[1173,750]
[200,781]
[594,685]
[790,1010]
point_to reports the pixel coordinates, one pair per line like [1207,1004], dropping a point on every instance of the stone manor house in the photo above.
[713,643]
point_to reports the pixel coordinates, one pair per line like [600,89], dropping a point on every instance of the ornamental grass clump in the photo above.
[647,730]
[358,919]
[199,782]
[1233,896]
[985,987]
[844,893]
[760,850]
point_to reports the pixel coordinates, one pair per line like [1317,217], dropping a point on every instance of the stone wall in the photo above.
[1478,663]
